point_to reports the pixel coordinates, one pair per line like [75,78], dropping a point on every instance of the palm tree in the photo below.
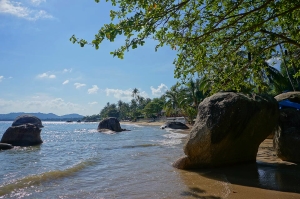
[173,98]
[135,93]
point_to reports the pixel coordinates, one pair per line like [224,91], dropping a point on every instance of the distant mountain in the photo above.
[42,116]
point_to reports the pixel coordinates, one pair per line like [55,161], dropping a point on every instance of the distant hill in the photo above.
[42,116]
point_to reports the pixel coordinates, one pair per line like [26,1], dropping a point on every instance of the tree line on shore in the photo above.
[183,99]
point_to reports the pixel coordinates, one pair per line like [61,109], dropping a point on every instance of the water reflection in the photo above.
[217,182]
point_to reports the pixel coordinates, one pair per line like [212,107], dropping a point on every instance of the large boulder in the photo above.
[228,130]
[111,124]
[287,137]
[27,119]
[23,135]
[174,125]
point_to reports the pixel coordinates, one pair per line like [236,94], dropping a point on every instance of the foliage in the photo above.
[92,118]
[154,108]
[209,36]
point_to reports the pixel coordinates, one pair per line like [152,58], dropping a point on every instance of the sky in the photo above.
[42,71]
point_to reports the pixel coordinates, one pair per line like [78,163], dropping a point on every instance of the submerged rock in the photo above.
[5,146]
[111,123]
[228,130]
[287,137]
[27,119]
[22,135]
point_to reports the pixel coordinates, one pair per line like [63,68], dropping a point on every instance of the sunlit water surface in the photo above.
[76,161]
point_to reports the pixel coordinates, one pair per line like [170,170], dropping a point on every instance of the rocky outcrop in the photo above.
[174,125]
[287,137]
[5,146]
[292,96]
[27,119]
[228,130]
[23,135]
[111,124]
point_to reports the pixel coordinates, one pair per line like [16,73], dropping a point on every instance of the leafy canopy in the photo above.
[227,42]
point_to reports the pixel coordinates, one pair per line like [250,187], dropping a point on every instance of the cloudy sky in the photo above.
[42,71]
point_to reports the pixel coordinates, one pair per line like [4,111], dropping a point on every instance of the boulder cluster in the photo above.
[230,127]
[286,140]
[24,131]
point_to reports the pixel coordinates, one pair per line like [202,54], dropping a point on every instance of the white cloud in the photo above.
[46,75]
[160,90]
[78,85]
[67,70]
[124,95]
[93,103]
[65,82]
[40,103]
[42,75]
[1,78]
[119,94]
[37,2]
[19,10]
[93,90]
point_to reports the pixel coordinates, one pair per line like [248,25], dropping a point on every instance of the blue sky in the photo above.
[42,71]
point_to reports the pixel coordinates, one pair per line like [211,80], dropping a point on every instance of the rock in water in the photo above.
[27,119]
[287,137]
[111,123]
[228,130]
[23,135]
[5,146]
[174,125]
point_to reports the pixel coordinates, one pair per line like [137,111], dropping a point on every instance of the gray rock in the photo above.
[27,119]
[23,135]
[228,130]
[292,96]
[111,123]
[5,146]
[287,137]
[174,125]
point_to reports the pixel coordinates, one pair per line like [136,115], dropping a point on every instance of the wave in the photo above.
[133,125]
[32,180]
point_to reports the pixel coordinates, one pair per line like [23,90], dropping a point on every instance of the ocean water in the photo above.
[76,161]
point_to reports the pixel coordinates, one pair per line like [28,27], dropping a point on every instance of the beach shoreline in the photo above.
[270,177]
[144,123]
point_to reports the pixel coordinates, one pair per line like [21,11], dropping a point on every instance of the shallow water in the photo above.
[76,161]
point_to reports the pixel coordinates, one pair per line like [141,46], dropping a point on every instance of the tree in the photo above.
[208,35]
[154,108]
[173,97]
[135,93]
[110,110]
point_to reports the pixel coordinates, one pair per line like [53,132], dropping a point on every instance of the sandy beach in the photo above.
[269,178]
[144,123]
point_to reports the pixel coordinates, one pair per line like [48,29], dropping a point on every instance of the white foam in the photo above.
[175,136]
[172,139]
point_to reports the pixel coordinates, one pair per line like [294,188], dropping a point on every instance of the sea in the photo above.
[76,161]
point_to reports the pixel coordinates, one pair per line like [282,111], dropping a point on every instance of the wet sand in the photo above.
[269,178]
